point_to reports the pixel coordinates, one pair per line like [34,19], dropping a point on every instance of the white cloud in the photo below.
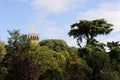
[56,6]
[109,11]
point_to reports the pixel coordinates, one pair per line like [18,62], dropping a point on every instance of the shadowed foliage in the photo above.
[86,29]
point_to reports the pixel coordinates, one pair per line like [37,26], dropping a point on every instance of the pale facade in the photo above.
[34,37]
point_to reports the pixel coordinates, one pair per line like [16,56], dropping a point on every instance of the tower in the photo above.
[33,36]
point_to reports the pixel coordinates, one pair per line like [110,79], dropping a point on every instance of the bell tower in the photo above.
[34,37]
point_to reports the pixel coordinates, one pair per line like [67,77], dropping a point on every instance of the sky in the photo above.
[52,18]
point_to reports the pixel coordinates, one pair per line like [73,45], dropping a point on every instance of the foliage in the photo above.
[55,44]
[73,51]
[23,68]
[17,44]
[112,45]
[65,54]
[18,59]
[116,75]
[77,69]
[34,49]
[51,74]
[105,75]
[50,59]
[96,59]
[115,59]
[2,50]
[114,53]
[89,29]
[3,70]
[93,52]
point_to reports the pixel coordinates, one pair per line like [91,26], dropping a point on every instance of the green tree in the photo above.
[112,45]
[55,44]
[51,74]
[73,51]
[115,59]
[87,30]
[114,53]
[77,69]
[23,67]
[17,44]
[49,59]
[97,60]
[18,59]
[2,50]
[35,49]
[3,70]
[94,51]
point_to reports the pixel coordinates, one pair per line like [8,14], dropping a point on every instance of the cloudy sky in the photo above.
[52,18]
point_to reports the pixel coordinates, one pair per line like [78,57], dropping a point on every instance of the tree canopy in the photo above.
[18,59]
[86,29]
[55,44]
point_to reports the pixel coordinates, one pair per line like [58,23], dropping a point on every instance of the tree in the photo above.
[89,29]
[17,44]
[112,45]
[114,54]
[97,60]
[49,59]
[77,69]
[55,44]
[115,59]
[73,51]
[3,70]
[23,67]
[35,49]
[51,74]
[18,59]
[94,51]
[2,50]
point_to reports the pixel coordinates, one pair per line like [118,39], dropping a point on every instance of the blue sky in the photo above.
[52,18]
